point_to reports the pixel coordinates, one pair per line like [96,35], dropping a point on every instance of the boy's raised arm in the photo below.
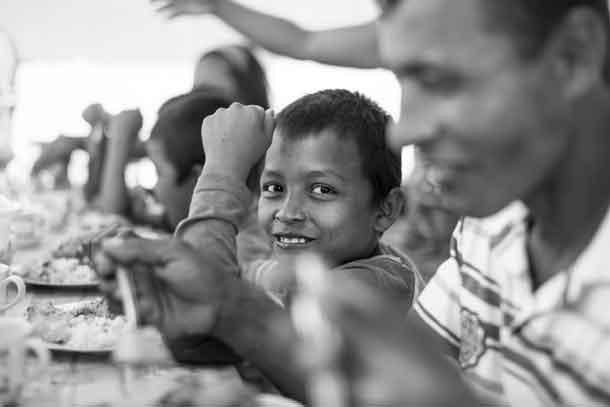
[353,46]
[235,140]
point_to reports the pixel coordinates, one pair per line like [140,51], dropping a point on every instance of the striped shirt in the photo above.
[518,346]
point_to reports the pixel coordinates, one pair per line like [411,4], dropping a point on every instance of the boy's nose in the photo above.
[290,211]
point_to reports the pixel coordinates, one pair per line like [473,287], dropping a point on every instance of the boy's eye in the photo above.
[320,189]
[272,188]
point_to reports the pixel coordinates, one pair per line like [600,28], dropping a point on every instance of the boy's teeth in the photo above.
[293,240]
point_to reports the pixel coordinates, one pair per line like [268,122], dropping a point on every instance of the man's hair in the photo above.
[531,22]
[352,116]
[178,128]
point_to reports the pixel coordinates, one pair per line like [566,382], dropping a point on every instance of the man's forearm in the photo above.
[351,46]
[275,34]
[260,330]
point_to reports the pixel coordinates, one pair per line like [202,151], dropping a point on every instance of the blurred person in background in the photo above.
[8,69]
[174,147]
[55,156]
[221,76]
[235,72]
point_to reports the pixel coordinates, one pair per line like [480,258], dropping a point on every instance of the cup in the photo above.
[8,210]
[7,297]
[15,345]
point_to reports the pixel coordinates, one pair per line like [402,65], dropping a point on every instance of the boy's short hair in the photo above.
[178,128]
[352,116]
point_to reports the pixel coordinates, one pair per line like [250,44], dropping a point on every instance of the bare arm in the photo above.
[122,133]
[58,151]
[353,46]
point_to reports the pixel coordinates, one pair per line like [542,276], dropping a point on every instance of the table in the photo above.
[86,379]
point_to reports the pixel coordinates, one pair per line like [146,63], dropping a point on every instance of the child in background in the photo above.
[329,185]
[222,75]
[175,149]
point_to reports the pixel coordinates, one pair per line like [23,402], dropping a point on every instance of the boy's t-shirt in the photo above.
[387,269]
[222,206]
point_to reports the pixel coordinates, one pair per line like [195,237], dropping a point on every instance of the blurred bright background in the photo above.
[122,54]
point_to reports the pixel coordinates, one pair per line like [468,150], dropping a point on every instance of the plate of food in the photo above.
[84,326]
[69,264]
[57,272]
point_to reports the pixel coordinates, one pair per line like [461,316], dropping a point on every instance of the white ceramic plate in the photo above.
[38,283]
[69,348]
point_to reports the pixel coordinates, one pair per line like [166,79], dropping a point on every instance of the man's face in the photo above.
[489,125]
[316,198]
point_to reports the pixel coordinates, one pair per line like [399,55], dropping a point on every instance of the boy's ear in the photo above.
[390,209]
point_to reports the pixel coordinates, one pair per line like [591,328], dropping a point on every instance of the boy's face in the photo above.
[175,198]
[315,197]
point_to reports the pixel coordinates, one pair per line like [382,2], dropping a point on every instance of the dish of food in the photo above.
[67,272]
[97,221]
[86,326]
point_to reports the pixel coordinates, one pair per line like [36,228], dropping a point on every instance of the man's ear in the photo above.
[196,170]
[579,48]
[390,209]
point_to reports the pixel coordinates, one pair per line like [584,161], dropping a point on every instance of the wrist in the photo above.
[226,169]
[230,311]
[243,318]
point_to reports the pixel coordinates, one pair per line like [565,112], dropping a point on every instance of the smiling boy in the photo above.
[329,186]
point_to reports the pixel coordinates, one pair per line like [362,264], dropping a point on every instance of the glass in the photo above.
[7,299]
[15,344]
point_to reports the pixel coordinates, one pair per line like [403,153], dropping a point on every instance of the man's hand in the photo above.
[386,359]
[175,290]
[177,8]
[236,139]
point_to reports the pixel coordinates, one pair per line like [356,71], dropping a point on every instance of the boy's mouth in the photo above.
[291,241]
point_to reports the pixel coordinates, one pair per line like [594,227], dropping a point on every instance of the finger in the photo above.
[174,14]
[147,312]
[269,122]
[168,11]
[146,291]
[103,266]
[131,250]
[109,288]
[111,292]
